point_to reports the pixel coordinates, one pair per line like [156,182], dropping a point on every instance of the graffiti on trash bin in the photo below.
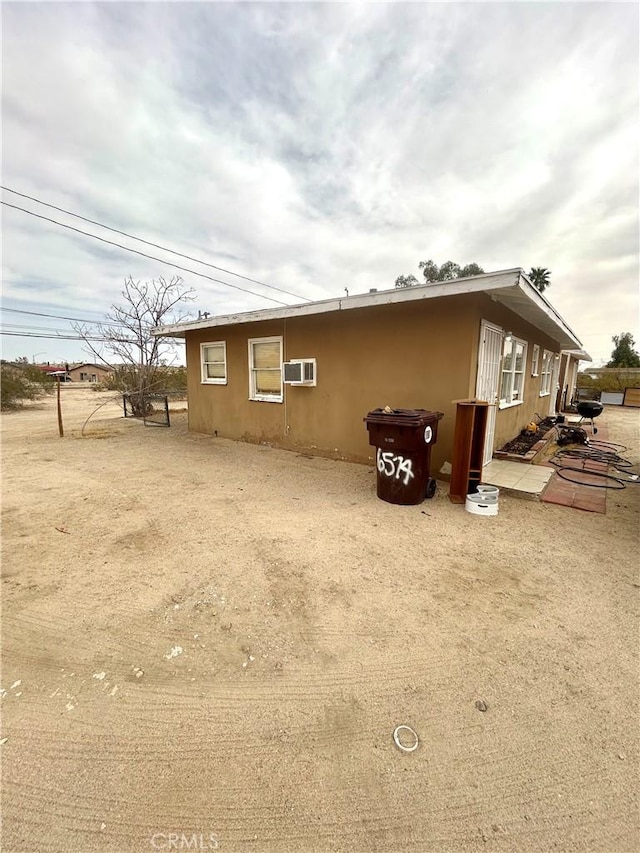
[394,466]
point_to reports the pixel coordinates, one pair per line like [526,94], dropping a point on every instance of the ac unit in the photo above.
[299,371]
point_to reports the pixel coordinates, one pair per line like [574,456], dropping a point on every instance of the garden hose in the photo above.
[606,453]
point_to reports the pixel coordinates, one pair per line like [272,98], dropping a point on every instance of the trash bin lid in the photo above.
[403,417]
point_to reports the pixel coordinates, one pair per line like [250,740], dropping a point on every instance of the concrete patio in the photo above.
[542,482]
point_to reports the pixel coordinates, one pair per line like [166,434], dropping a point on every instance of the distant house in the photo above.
[303,377]
[56,371]
[88,373]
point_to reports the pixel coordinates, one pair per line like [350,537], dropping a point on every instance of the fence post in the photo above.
[60,427]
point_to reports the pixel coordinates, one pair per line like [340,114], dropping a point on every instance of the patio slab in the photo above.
[517,479]
[542,482]
[578,495]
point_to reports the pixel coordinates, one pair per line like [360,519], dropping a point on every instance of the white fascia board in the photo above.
[579,354]
[510,287]
[547,308]
[473,284]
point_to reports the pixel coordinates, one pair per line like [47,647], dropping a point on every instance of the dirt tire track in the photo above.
[311,619]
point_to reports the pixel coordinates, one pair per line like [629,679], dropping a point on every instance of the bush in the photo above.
[613,379]
[20,382]
[160,380]
[138,383]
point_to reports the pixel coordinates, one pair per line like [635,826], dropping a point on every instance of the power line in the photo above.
[12,328]
[107,335]
[62,337]
[155,245]
[61,317]
[144,254]
[15,327]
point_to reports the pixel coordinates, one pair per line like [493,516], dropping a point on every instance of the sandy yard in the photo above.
[211,643]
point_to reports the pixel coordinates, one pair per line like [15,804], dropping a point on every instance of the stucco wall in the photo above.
[412,355]
[101,373]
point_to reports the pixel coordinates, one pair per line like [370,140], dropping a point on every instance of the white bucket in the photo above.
[479,504]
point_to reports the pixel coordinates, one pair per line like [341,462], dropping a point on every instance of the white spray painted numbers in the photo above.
[394,466]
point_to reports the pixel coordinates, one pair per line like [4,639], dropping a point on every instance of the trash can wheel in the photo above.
[431,487]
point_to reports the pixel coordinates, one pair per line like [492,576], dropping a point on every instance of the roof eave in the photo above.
[527,301]
[580,354]
[471,284]
[510,287]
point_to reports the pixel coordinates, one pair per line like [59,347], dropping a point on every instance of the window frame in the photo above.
[546,376]
[263,397]
[207,380]
[535,360]
[505,403]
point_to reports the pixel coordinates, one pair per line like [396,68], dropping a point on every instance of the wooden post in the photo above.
[60,427]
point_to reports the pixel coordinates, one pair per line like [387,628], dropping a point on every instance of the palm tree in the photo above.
[539,277]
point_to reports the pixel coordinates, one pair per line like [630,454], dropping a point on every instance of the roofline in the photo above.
[491,283]
[580,354]
[88,364]
[551,312]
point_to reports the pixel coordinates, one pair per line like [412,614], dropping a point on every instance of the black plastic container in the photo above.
[403,438]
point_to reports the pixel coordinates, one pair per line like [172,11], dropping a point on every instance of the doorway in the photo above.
[488,379]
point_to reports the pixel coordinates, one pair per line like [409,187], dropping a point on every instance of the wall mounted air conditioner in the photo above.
[299,371]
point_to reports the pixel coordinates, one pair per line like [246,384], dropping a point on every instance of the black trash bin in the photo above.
[403,438]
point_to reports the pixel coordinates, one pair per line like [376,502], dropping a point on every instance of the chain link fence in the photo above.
[152,408]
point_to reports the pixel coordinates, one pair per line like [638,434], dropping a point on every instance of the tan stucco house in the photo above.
[303,377]
[88,373]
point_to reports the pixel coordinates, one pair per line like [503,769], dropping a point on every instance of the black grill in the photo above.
[589,409]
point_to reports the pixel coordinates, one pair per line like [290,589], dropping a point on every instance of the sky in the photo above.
[317,147]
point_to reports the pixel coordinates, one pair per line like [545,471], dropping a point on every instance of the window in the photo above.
[265,369]
[547,370]
[213,360]
[513,362]
[535,360]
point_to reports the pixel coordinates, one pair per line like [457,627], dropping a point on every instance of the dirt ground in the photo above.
[209,643]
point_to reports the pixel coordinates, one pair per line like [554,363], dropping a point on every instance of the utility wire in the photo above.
[61,317]
[144,254]
[155,245]
[16,327]
[64,337]
[107,335]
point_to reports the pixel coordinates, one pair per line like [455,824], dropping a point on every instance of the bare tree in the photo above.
[124,341]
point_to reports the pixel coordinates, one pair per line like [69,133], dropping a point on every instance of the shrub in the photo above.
[611,379]
[159,380]
[20,382]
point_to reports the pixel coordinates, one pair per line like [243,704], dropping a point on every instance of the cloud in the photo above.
[324,146]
